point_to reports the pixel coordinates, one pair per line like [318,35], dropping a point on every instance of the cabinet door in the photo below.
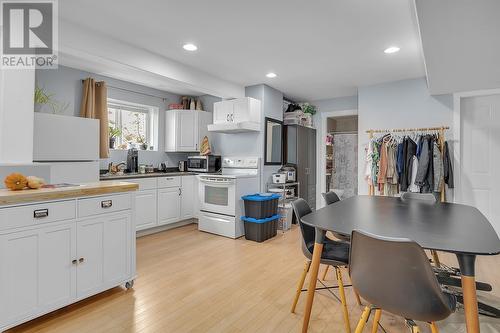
[103,251]
[116,252]
[90,248]
[240,110]
[57,269]
[169,205]
[188,198]
[223,111]
[19,267]
[145,209]
[187,131]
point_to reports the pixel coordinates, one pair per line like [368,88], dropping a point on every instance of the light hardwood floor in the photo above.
[190,281]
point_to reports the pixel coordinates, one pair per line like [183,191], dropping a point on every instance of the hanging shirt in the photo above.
[415,165]
[400,160]
[368,161]
[409,150]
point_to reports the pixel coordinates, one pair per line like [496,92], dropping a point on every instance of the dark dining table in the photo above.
[449,227]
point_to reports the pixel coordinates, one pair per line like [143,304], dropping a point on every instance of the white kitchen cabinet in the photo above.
[36,270]
[103,252]
[185,129]
[145,209]
[237,110]
[188,197]
[58,252]
[169,205]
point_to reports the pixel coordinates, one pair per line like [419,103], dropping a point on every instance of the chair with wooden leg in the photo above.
[394,275]
[335,254]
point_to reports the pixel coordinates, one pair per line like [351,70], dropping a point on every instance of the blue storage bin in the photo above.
[260,230]
[260,206]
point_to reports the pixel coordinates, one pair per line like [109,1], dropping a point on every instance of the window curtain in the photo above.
[94,105]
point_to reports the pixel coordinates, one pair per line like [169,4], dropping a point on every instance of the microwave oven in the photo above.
[207,163]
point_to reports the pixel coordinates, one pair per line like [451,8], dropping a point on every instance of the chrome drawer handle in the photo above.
[169,178]
[40,213]
[106,203]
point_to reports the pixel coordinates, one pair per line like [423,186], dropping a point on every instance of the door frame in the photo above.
[457,136]
[321,149]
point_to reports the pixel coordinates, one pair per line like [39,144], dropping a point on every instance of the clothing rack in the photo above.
[440,130]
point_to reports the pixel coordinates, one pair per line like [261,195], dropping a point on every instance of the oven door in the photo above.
[217,195]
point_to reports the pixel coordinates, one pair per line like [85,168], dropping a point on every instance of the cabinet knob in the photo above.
[74,261]
[227,117]
[81,260]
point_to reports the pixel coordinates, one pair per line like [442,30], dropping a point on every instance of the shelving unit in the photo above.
[284,200]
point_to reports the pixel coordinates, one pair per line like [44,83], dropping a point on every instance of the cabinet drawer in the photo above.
[169,182]
[144,183]
[23,216]
[104,204]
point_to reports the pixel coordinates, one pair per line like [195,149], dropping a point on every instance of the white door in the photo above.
[90,247]
[223,112]
[145,209]
[188,198]
[480,126]
[187,131]
[169,205]
[19,267]
[57,265]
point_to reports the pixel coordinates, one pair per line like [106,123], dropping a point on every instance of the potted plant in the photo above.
[309,111]
[44,98]
[113,133]
[142,141]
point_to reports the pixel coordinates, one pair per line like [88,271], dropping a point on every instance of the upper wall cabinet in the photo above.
[236,115]
[184,129]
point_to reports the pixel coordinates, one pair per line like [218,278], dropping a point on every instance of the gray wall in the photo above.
[399,104]
[66,86]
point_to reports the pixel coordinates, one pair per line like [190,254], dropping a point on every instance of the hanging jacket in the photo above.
[447,166]
[438,167]
[423,163]
[412,187]
[400,159]
[409,150]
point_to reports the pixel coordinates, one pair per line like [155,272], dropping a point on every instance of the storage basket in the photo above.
[259,206]
[260,230]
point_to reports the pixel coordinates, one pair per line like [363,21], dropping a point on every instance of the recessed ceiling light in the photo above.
[271,75]
[190,47]
[392,49]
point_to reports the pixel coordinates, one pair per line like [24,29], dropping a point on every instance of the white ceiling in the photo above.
[461,41]
[319,49]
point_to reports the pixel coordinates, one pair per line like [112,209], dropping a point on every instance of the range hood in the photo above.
[245,126]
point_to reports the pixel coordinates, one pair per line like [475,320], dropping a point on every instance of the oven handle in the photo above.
[216,181]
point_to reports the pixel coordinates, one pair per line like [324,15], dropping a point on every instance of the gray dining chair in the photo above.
[331,198]
[335,254]
[403,283]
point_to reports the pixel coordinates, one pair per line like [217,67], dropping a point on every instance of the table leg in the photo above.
[467,269]
[313,276]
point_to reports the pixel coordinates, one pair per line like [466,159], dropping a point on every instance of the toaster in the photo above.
[279,178]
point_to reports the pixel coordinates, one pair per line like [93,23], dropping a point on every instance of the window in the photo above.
[132,125]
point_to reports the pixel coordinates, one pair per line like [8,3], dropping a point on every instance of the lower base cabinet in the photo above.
[145,209]
[169,205]
[47,265]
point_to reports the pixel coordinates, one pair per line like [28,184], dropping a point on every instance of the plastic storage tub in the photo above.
[259,206]
[260,230]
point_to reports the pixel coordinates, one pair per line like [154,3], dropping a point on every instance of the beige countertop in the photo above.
[8,197]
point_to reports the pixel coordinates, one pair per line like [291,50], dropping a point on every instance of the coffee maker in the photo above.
[132,160]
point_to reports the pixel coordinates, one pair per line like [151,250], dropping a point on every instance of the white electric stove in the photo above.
[220,195]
